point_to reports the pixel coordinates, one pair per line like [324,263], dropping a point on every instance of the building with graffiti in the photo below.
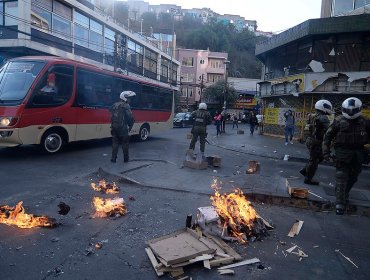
[319,58]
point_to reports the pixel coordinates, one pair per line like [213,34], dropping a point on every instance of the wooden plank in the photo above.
[212,245]
[230,251]
[267,224]
[153,261]
[206,264]
[178,272]
[219,262]
[222,255]
[178,247]
[296,228]
[201,258]
[246,262]
[226,271]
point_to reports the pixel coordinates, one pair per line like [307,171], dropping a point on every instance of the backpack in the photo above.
[118,116]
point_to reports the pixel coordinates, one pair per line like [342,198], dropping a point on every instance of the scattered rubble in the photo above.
[296,228]
[63,208]
[253,167]
[347,258]
[171,253]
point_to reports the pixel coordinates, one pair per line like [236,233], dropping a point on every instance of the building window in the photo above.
[47,4]
[61,27]
[62,10]
[164,67]
[361,3]
[81,19]
[216,63]
[135,54]
[11,9]
[81,35]
[40,18]
[2,13]
[342,6]
[109,41]
[150,63]
[187,61]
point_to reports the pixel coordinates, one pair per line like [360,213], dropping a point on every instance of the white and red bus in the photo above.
[78,106]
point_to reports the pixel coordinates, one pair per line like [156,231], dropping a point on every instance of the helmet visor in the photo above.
[351,111]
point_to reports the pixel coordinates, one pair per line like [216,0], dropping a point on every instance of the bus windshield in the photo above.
[16,78]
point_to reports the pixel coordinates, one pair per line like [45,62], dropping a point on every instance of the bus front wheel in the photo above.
[144,132]
[51,142]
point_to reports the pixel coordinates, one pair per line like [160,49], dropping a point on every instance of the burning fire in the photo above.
[17,216]
[105,187]
[235,211]
[109,207]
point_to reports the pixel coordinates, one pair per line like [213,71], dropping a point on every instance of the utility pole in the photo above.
[201,87]
[115,52]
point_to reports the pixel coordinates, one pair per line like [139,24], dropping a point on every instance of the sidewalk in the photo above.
[265,146]
[166,171]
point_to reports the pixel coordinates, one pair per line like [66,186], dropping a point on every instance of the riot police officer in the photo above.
[316,126]
[202,118]
[350,132]
[121,124]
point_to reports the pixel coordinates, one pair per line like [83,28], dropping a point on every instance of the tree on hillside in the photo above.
[216,94]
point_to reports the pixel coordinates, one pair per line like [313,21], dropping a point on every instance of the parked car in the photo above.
[183,119]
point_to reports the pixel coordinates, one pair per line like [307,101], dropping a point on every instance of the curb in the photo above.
[308,204]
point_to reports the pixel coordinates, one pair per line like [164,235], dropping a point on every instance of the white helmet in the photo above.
[351,108]
[324,106]
[125,94]
[202,106]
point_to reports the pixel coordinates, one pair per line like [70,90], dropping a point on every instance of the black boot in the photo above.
[310,182]
[303,171]
[113,160]
[125,158]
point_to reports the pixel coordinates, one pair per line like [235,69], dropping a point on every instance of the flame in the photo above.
[17,216]
[103,187]
[234,210]
[109,207]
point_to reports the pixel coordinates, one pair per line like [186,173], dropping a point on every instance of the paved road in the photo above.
[160,207]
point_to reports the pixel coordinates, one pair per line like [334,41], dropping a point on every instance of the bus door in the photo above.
[94,98]
[50,105]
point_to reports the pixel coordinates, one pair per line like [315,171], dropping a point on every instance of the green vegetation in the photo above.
[216,36]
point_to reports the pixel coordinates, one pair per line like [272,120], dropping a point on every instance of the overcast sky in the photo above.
[271,15]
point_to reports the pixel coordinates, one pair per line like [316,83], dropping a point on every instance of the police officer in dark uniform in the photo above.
[317,125]
[202,118]
[122,122]
[350,132]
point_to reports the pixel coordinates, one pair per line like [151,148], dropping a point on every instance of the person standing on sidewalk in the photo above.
[317,125]
[217,120]
[202,118]
[121,124]
[223,119]
[350,133]
[235,120]
[252,122]
[289,126]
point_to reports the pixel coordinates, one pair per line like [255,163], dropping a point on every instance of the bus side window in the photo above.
[122,85]
[94,89]
[55,87]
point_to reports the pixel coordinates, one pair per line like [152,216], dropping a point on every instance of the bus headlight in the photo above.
[8,121]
